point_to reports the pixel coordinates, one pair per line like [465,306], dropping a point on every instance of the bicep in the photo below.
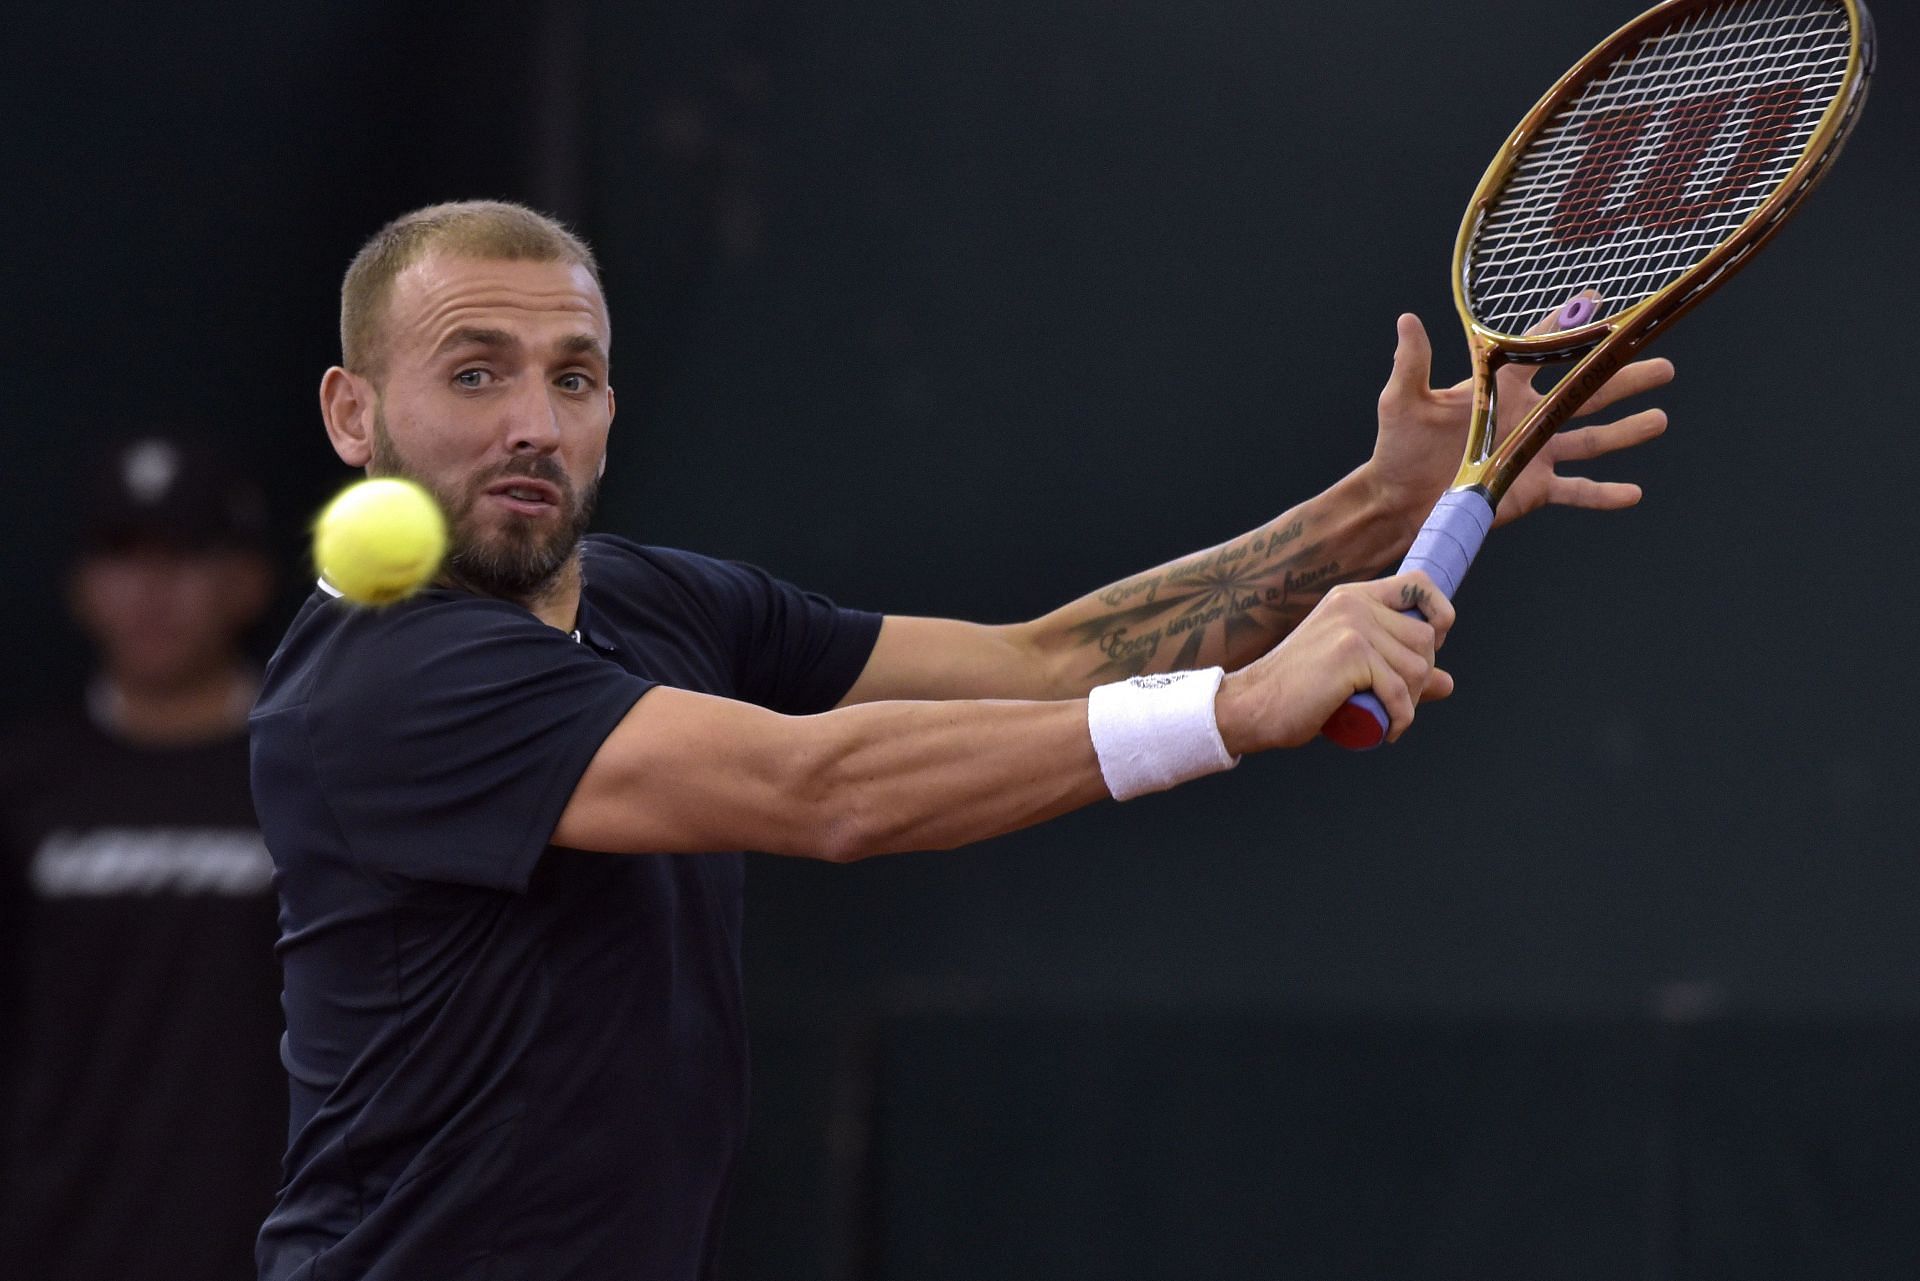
[686,773]
[946,658]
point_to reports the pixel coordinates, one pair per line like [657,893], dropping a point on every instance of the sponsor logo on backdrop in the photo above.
[102,861]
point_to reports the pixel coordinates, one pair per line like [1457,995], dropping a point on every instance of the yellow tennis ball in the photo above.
[380,540]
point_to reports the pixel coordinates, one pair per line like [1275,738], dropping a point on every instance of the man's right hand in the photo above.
[1355,639]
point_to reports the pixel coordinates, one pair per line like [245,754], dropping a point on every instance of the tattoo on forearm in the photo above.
[1244,593]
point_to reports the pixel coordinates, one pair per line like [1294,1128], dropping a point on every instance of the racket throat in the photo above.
[1588,375]
[1484,429]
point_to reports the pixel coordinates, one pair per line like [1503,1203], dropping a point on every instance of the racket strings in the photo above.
[1594,131]
[1642,262]
[1658,158]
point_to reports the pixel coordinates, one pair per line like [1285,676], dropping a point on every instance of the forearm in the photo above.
[936,775]
[1229,604]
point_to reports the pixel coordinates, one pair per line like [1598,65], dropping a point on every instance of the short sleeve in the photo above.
[793,651]
[448,736]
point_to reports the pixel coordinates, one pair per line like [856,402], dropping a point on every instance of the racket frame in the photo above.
[1602,346]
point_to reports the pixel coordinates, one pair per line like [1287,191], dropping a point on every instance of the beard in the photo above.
[516,561]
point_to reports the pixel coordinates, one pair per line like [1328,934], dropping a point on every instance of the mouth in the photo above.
[525,496]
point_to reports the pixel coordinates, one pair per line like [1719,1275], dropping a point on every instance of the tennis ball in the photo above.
[380,540]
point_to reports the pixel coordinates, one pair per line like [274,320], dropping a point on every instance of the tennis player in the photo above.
[504,814]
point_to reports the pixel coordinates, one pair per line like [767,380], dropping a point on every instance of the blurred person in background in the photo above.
[145,1103]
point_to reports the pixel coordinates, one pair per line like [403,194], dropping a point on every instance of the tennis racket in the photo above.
[1646,177]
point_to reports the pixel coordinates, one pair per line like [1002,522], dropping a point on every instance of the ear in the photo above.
[347,404]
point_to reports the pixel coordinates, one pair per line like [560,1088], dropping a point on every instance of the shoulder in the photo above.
[38,728]
[672,581]
[335,649]
[610,557]
[52,739]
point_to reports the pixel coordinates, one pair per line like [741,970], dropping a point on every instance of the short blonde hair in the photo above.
[496,229]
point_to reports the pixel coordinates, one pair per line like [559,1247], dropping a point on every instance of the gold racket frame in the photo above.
[1602,346]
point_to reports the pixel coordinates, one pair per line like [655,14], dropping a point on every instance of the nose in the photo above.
[532,426]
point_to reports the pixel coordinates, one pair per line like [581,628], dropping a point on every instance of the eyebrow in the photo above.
[583,345]
[467,336]
[471,337]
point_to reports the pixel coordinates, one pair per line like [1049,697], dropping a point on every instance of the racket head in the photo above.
[1643,202]
[1651,170]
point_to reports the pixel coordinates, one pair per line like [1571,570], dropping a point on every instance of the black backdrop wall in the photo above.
[969,307]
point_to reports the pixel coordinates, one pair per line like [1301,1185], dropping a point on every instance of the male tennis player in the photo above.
[503,813]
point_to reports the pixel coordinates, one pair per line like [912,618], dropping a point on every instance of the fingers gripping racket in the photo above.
[1644,179]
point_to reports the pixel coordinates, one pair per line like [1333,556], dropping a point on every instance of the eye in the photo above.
[574,382]
[473,379]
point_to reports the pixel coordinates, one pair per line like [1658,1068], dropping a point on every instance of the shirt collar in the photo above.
[588,629]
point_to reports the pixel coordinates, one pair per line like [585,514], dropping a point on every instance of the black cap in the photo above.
[171,491]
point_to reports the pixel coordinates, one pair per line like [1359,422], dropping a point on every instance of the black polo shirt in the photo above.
[510,1060]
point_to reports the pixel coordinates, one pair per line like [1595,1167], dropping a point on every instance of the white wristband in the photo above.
[1154,732]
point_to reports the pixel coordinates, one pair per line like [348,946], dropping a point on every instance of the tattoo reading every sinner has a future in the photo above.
[1260,584]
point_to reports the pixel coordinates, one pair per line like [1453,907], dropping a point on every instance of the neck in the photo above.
[558,603]
[555,602]
[200,710]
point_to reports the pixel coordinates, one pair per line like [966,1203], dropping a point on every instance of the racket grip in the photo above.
[1445,547]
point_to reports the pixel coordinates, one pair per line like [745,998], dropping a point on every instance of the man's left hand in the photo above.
[1423,432]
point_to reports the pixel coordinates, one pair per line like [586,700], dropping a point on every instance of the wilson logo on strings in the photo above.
[1671,194]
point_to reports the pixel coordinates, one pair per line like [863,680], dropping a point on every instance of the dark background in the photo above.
[1608,969]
